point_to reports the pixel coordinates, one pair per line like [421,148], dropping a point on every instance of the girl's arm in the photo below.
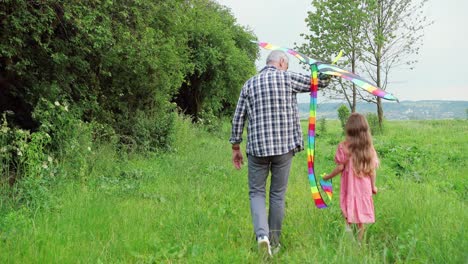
[374,188]
[374,175]
[338,169]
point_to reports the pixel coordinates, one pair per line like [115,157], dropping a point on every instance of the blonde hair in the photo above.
[359,144]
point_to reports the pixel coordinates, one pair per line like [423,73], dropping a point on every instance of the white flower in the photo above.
[20,153]
[56,103]
[50,159]
[89,148]
[66,108]
[4,149]
[44,165]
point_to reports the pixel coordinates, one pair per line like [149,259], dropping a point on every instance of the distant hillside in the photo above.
[406,110]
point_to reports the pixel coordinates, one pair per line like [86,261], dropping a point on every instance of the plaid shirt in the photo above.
[269,102]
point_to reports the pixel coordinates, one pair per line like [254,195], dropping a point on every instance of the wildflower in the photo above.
[50,159]
[66,108]
[4,149]
[44,165]
[89,148]
[20,153]
[56,103]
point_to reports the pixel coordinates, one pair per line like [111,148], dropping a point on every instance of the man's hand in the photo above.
[237,158]
[324,80]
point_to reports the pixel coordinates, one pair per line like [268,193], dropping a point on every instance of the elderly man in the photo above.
[268,102]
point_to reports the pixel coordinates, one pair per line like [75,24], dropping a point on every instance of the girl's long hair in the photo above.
[361,149]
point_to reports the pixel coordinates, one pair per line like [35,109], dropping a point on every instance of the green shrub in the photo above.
[322,129]
[209,121]
[26,164]
[343,115]
[148,132]
[374,126]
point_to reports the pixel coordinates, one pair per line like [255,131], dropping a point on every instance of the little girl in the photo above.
[356,160]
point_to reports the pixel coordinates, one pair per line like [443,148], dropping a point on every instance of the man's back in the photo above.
[269,99]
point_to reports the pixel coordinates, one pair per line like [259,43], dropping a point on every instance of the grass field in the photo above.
[191,206]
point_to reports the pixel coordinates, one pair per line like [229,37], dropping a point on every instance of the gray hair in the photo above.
[276,56]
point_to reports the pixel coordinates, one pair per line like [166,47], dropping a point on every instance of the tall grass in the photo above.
[191,206]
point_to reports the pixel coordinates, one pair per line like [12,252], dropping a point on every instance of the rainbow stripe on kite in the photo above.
[314,188]
[356,79]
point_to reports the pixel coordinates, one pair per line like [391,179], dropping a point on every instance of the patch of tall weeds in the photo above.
[26,165]
[32,162]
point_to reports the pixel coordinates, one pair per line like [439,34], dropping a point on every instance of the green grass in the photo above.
[191,206]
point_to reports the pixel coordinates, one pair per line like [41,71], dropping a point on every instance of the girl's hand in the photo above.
[324,176]
[374,190]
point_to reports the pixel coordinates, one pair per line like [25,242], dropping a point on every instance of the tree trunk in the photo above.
[380,112]
[379,100]
[379,62]
[353,68]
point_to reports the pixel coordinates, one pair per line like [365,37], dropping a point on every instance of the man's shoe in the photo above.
[264,245]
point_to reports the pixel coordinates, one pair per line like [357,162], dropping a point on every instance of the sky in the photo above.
[440,74]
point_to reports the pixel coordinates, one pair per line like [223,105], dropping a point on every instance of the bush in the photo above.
[322,129]
[153,132]
[343,115]
[31,162]
[373,121]
[26,164]
[209,121]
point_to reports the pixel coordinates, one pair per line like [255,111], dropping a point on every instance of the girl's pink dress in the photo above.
[355,192]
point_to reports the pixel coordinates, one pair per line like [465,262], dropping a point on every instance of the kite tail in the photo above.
[326,185]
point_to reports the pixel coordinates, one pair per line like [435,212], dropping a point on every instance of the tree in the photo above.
[222,59]
[337,25]
[393,35]
[121,63]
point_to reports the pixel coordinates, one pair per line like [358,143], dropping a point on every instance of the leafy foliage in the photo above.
[337,25]
[76,73]
[222,59]
[343,115]
[118,60]
[376,36]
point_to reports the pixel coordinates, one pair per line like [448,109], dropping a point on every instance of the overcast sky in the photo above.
[440,74]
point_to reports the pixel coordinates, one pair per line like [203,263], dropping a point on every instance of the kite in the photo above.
[328,69]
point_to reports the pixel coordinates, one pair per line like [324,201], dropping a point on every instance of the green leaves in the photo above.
[119,62]
[221,59]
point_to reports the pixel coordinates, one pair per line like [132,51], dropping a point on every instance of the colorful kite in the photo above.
[316,67]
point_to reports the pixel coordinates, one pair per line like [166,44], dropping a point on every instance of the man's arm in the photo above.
[301,82]
[237,129]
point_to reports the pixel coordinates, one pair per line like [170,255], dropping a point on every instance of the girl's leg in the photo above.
[348,227]
[361,230]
